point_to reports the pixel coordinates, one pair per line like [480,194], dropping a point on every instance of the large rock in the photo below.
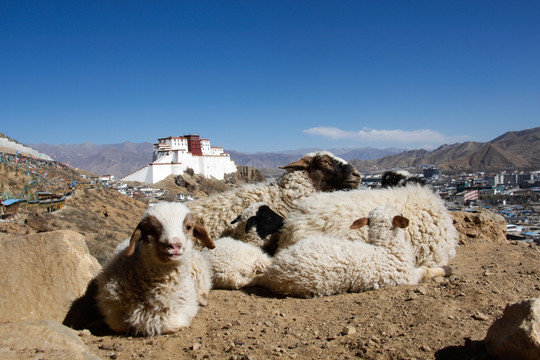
[484,225]
[516,335]
[41,339]
[42,274]
[38,222]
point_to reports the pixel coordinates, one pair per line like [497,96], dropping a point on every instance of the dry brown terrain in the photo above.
[440,319]
[444,318]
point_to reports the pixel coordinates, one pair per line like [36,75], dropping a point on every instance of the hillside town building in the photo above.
[174,155]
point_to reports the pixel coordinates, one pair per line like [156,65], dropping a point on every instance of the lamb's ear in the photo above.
[200,233]
[301,164]
[357,224]
[400,221]
[135,238]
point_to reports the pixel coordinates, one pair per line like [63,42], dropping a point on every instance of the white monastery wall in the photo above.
[172,157]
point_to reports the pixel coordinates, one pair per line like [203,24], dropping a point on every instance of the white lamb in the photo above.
[431,229]
[321,266]
[315,172]
[155,284]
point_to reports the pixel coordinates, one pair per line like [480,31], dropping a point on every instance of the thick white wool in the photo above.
[236,264]
[431,230]
[322,265]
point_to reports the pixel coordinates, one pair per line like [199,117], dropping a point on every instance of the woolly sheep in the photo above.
[320,171]
[237,264]
[431,230]
[322,266]
[400,178]
[258,225]
[154,285]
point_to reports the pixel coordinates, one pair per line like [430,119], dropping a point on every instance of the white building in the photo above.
[174,155]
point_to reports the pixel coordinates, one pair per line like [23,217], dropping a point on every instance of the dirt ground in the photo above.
[444,318]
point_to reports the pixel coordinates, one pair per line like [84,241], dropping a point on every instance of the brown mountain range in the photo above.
[512,150]
[518,150]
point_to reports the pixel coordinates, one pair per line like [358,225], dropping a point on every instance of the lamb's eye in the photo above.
[188,227]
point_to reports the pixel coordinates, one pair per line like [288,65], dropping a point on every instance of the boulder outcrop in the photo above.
[484,225]
[42,274]
[516,335]
[42,339]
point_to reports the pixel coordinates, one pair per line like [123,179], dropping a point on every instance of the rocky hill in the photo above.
[515,149]
[512,150]
[10,146]
[112,159]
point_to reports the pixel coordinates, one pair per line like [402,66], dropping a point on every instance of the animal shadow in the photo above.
[84,313]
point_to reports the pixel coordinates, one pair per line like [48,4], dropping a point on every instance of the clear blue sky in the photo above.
[269,75]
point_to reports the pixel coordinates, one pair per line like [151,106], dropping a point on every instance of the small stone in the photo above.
[439,280]
[480,316]
[349,330]
[196,346]
[421,290]
[106,347]
[84,333]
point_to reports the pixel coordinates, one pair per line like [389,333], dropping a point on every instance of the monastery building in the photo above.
[174,155]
